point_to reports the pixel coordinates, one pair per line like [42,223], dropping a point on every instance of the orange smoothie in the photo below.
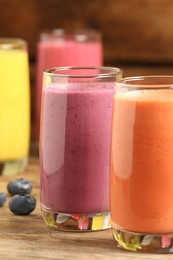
[141,183]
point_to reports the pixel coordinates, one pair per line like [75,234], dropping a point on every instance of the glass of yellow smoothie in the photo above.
[14,105]
[141,169]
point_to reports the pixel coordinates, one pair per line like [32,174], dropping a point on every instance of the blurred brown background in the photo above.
[137,34]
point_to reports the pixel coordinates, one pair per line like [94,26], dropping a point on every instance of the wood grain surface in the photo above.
[27,237]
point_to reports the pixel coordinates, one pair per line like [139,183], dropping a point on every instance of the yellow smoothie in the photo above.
[14,104]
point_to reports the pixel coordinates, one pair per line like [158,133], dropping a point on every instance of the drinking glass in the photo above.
[59,48]
[75,146]
[14,106]
[141,169]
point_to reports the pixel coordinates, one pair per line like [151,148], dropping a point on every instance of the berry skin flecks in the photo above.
[19,186]
[22,204]
[3,198]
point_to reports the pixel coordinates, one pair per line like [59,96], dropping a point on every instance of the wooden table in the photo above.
[27,237]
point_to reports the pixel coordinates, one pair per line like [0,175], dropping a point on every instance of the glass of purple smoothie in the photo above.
[75,129]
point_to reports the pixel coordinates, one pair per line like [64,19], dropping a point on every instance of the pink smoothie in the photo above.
[63,53]
[74,148]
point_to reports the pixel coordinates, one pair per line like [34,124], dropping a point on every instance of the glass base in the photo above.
[13,167]
[148,243]
[77,222]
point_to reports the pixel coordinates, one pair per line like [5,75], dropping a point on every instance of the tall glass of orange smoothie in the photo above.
[141,170]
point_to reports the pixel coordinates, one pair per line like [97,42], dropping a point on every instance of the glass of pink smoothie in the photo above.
[141,169]
[75,146]
[58,48]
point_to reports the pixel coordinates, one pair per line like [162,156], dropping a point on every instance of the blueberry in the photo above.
[3,198]
[19,186]
[22,204]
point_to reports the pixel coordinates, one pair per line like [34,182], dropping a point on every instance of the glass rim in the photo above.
[111,72]
[150,79]
[11,43]
[80,35]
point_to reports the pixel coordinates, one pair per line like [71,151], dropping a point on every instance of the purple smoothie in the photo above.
[74,147]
